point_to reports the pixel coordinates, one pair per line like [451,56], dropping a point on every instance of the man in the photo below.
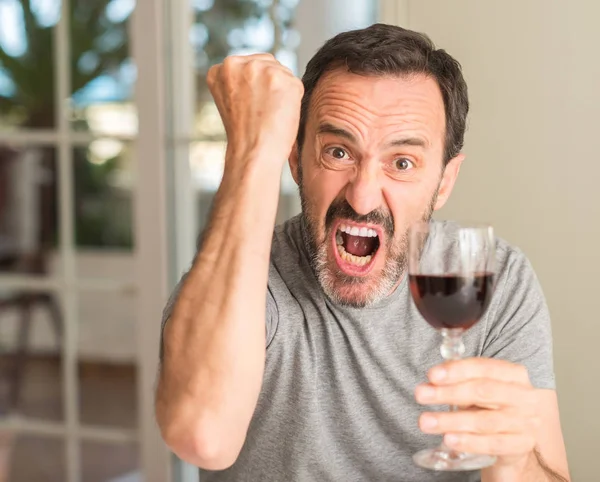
[338,383]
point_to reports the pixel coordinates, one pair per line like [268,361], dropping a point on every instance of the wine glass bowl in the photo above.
[452,301]
[451,270]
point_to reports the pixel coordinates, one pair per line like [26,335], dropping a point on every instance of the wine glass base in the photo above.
[437,459]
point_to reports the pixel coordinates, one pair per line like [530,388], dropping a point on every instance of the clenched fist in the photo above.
[259,101]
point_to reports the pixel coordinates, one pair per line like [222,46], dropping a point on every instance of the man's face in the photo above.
[371,165]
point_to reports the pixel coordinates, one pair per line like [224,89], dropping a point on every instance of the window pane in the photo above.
[102,462]
[29,211]
[220,29]
[103,73]
[103,190]
[27,76]
[31,334]
[33,459]
[226,27]
[207,160]
[107,353]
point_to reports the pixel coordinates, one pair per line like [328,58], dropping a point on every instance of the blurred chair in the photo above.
[23,250]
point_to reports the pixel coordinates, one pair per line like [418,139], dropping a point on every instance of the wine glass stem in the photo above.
[452,348]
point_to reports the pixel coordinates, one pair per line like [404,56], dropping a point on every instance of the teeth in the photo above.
[350,258]
[346,256]
[356,231]
[353,231]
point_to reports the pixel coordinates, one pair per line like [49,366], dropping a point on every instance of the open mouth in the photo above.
[356,246]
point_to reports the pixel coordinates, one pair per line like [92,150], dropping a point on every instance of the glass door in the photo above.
[76,377]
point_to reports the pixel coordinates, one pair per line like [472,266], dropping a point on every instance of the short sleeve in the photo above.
[272,313]
[168,310]
[519,328]
[272,316]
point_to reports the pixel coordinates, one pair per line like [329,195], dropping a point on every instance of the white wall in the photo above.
[533,164]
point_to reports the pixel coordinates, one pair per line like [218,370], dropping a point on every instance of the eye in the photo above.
[338,153]
[403,164]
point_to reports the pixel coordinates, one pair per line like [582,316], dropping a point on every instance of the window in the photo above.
[90,193]
[68,128]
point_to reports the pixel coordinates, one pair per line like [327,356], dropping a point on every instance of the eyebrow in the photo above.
[328,128]
[408,141]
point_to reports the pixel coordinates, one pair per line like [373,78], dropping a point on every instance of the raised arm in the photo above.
[214,340]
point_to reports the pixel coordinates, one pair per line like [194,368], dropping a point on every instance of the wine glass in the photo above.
[451,271]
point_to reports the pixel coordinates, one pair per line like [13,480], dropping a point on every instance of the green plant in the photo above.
[92,34]
[98,46]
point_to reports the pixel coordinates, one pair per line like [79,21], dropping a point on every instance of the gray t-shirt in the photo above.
[337,400]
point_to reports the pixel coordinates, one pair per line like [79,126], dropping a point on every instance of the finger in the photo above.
[499,444]
[274,64]
[483,393]
[234,60]
[473,368]
[234,63]
[268,58]
[213,74]
[476,421]
[259,56]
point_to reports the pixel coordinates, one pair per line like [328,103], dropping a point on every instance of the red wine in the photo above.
[452,301]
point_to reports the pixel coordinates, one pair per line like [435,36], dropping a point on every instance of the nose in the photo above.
[364,192]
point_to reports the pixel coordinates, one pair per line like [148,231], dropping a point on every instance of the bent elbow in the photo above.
[202,446]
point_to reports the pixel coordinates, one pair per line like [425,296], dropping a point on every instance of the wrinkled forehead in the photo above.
[368,102]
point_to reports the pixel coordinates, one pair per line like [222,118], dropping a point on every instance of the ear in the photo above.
[294,161]
[448,180]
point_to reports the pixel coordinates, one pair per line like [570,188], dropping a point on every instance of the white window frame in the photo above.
[150,251]
[151,226]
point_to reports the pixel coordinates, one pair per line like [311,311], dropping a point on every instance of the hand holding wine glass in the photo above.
[503,419]
[451,272]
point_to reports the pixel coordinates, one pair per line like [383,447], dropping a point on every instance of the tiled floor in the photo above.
[107,398]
